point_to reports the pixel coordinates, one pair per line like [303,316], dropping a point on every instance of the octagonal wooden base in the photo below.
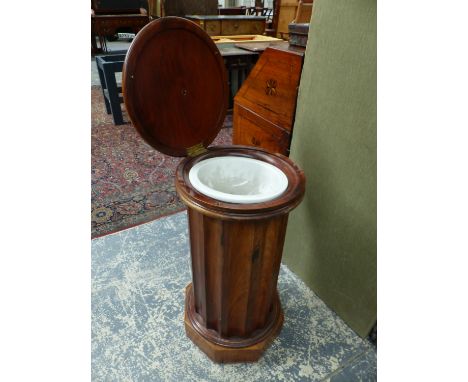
[226,354]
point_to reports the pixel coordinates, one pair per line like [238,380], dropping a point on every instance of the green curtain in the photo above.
[331,236]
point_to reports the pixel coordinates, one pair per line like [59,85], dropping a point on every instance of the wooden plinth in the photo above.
[224,354]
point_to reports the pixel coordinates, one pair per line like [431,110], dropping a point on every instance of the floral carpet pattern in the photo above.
[137,329]
[131,183]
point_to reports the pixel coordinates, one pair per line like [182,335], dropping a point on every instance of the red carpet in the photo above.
[131,182]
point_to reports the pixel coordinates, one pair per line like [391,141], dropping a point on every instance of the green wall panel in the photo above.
[331,237]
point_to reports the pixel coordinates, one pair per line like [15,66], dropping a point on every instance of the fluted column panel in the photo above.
[235,265]
[214,258]
[197,249]
[238,238]
[266,272]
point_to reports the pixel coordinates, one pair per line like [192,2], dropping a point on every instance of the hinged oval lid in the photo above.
[175,86]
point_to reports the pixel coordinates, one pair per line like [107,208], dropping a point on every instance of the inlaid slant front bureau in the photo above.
[265,106]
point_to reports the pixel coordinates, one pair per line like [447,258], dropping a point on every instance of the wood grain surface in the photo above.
[175,86]
[232,307]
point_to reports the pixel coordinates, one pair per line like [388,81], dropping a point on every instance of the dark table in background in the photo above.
[230,25]
[238,63]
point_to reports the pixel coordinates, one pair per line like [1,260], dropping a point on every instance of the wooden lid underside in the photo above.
[175,86]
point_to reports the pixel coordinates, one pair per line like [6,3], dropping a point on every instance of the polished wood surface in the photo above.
[286,15]
[248,39]
[108,25]
[175,86]
[264,107]
[228,25]
[232,308]
[108,17]
[304,11]
[254,130]
[113,6]
[232,261]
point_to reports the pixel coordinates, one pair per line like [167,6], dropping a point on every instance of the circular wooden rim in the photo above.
[149,32]
[215,208]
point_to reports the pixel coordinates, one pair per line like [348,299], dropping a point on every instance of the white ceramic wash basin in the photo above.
[236,179]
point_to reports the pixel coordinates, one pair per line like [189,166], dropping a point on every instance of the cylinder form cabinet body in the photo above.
[232,300]
[238,197]
[232,307]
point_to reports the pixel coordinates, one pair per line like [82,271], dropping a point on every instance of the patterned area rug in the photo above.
[131,182]
[138,281]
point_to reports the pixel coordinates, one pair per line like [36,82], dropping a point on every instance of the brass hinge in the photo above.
[196,150]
